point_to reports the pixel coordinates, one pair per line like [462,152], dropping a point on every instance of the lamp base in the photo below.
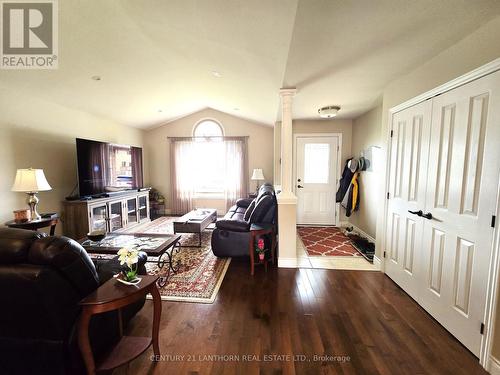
[32,201]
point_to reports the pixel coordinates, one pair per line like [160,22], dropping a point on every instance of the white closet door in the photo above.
[461,196]
[409,158]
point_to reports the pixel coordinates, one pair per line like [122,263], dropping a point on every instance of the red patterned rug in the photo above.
[326,241]
[200,272]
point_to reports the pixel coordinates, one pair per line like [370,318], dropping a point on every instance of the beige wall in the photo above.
[475,50]
[260,149]
[39,134]
[366,132]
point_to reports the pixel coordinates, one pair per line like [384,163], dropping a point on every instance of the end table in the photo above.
[113,295]
[36,224]
[260,230]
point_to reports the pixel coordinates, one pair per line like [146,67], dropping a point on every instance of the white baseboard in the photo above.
[377,262]
[288,262]
[362,233]
[493,366]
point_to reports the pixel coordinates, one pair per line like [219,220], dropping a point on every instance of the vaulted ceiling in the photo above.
[160,60]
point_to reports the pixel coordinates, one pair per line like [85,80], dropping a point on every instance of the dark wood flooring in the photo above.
[281,320]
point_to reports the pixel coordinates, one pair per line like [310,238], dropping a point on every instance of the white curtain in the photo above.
[182,164]
[236,170]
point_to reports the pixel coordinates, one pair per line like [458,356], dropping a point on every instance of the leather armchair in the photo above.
[231,235]
[42,279]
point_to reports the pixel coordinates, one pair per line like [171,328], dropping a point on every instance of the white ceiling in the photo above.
[159,55]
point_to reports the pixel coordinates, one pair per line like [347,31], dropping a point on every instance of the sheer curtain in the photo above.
[182,167]
[236,171]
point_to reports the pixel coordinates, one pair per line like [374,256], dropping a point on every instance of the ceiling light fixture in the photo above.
[328,112]
[216,74]
[236,109]
[160,111]
[96,78]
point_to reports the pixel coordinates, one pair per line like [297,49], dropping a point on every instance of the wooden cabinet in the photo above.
[112,214]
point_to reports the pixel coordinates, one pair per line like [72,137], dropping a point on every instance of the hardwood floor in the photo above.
[359,315]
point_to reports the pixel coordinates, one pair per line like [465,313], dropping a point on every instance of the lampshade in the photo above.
[30,180]
[258,174]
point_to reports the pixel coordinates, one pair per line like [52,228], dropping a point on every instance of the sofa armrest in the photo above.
[233,225]
[244,202]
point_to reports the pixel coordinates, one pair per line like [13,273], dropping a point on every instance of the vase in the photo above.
[261,256]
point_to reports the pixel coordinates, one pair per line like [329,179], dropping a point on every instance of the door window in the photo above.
[316,163]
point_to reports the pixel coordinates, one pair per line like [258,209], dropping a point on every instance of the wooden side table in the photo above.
[260,230]
[113,295]
[36,224]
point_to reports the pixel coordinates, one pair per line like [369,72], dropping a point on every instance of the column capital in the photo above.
[288,92]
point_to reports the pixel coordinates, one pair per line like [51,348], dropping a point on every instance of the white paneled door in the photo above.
[440,252]
[316,177]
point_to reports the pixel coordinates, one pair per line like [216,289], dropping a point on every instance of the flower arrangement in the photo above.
[130,258]
[260,249]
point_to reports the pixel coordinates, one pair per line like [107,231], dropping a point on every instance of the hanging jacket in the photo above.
[345,182]
[351,199]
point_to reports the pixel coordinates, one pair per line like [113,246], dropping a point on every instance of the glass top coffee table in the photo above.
[154,245]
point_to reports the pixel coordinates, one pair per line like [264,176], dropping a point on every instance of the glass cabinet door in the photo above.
[98,218]
[115,216]
[132,210]
[143,207]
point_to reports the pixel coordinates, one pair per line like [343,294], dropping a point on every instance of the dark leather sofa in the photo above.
[231,235]
[42,279]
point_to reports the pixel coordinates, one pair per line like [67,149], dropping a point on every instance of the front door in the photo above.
[316,177]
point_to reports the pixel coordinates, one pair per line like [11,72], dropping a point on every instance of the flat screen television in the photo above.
[107,167]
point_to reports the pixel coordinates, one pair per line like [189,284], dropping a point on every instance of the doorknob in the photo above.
[300,186]
[428,216]
[418,213]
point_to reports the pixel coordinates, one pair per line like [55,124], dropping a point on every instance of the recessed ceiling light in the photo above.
[160,111]
[96,78]
[328,112]
[236,109]
[215,73]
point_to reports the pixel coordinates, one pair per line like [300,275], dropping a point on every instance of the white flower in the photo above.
[130,257]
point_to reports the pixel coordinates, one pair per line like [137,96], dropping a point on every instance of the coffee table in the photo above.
[195,221]
[153,244]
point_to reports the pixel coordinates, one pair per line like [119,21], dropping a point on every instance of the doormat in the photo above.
[326,241]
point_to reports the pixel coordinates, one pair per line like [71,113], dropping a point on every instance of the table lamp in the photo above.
[257,175]
[31,181]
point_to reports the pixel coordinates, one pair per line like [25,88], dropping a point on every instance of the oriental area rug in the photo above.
[326,241]
[200,272]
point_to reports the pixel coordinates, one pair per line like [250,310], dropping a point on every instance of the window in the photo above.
[208,128]
[316,163]
[209,148]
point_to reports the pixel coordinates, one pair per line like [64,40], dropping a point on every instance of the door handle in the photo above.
[300,186]
[428,216]
[418,213]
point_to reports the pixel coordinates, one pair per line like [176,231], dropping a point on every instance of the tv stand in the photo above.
[115,212]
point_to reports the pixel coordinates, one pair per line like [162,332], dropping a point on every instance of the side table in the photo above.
[260,230]
[36,224]
[113,295]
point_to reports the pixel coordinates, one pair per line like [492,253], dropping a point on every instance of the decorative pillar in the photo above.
[287,201]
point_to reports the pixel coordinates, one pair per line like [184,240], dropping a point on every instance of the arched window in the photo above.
[208,128]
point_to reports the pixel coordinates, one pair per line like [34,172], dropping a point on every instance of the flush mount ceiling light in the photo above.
[96,78]
[216,74]
[328,112]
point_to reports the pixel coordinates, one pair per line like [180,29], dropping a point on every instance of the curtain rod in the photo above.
[210,137]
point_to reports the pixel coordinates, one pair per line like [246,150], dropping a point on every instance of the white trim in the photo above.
[482,71]
[362,232]
[493,276]
[493,366]
[339,163]
[492,291]
[377,262]
[288,262]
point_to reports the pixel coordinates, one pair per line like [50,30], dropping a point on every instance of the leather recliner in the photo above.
[231,235]
[42,279]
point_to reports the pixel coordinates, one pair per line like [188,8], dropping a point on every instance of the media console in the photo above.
[116,212]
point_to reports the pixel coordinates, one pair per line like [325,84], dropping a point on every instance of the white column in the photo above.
[287,201]
[286,142]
